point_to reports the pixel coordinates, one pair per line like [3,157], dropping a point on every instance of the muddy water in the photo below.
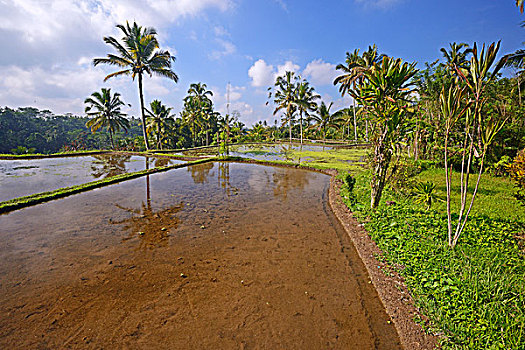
[216,256]
[24,177]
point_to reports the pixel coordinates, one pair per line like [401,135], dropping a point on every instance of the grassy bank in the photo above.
[22,202]
[52,155]
[475,294]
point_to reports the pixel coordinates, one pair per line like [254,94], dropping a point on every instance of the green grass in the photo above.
[22,202]
[474,295]
[494,199]
[51,155]
[339,159]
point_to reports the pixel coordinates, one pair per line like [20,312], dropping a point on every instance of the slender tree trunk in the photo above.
[519,90]
[382,156]
[366,125]
[141,95]
[355,124]
[111,139]
[301,127]
[290,123]
[447,180]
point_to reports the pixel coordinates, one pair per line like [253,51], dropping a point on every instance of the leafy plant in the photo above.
[463,105]
[23,150]
[517,173]
[501,167]
[424,193]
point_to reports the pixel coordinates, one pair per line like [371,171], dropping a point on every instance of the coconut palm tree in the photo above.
[104,109]
[197,108]
[285,95]
[343,117]
[138,53]
[456,57]
[323,119]
[158,121]
[354,72]
[305,102]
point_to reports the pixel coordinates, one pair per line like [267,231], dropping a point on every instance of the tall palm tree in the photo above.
[305,102]
[285,95]
[137,54]
[323,118]
[197,108]
[456,57]
[517,60]
[354,72]
[158,121]
[105,112]
[343,117]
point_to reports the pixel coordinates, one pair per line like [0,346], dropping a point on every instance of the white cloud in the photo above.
[226,48]
[48,47]
[220,31]
[320,73]
[288,66]
[61,91]
[261,73]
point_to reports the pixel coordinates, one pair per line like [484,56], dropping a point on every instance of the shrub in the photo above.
[517,172]
[501,167]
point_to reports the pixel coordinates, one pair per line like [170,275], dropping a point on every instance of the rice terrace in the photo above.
[233,174]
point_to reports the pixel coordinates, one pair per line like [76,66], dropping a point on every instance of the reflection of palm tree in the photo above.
[161,162]
[224,179]
[153,227]
[109,165]
[285,180]
[200,172]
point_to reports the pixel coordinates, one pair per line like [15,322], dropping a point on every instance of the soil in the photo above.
[219,255]
[388,283]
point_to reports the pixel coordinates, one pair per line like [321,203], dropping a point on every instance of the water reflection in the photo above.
[152,227]
[201,173]
[224,179]
[109,165]
[284,180]
[160,162]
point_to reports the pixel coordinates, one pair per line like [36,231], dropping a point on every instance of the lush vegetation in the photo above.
[473,294]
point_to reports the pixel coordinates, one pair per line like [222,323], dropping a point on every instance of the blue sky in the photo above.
[49,44]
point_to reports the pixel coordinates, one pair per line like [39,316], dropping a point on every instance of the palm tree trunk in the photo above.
[301,128]
[141,95]
[355,124]
[290,123]
[519,90]
[111,139]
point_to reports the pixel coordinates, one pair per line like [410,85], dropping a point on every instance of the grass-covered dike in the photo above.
[26,201]
[474,294]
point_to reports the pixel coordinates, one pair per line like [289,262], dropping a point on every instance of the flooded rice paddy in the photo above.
[288,152]
[24,177]
[218,255]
